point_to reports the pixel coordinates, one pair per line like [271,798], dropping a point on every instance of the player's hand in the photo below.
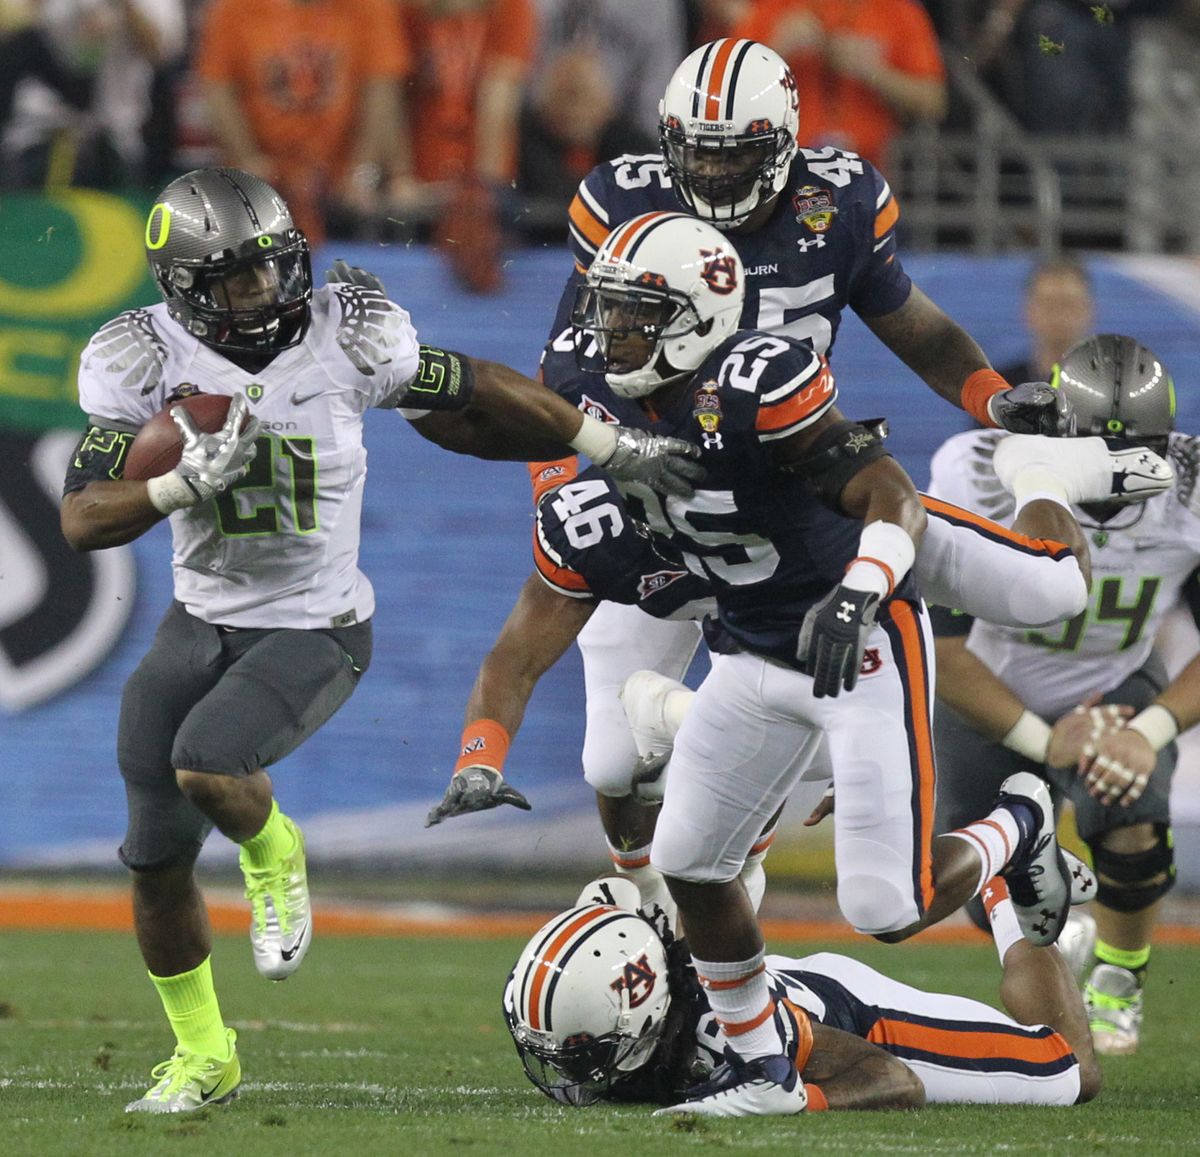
[824,808]
[1075,735]
[833,638]
[661,463]
[1119,767]
[1033,408]
[210,463]
[649,782]
[353,275]
[476,789]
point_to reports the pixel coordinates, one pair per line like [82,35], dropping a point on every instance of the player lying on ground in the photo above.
[604,1005]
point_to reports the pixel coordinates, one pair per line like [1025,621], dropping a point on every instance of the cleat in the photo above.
[1037,875]
[655,707]
[1076,942]
[764,1087]
[1114,1007]
[281,916]
[1081,877]
[1088,468]
[189,1081]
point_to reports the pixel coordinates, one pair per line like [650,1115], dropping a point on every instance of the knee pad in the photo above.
[1132,881]
[873,905]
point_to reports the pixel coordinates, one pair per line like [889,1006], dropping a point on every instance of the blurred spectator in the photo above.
[463,110]
[1058,313]
[864,68]
[570,124]
[77,84]
[1062,66]
[304,93]
[709,20]
[638,45]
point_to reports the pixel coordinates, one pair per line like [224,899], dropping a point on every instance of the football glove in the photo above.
[1033,408]
[833,638]
[658,462]
[353,275]
[211,463]
[475,789]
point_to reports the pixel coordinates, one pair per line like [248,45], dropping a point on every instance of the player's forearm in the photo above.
[967,686]
[106,514]
[534,422]
[883,492]
[1182,697]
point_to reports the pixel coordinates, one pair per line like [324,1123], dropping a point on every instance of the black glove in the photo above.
[833,638]
[353,275]
[475,789]
[1034,408]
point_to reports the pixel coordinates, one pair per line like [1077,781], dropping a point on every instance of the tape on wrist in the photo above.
[169,492]
[978,390]
[485,743]
[1030,737]
[1156,724]
[885,553]
[596,439]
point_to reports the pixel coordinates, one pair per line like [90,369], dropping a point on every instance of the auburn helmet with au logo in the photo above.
[587,1001]
[727,129]
[663,291]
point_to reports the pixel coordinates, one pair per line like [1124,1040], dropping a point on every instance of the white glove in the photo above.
[210,463]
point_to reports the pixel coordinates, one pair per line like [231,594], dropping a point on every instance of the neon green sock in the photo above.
[191,1005]
[1135,960]
[274,841]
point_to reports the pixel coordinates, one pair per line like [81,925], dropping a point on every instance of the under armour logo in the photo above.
[807,243]
[847,610]
[712,441]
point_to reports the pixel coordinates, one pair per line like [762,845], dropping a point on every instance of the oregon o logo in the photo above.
[156,238]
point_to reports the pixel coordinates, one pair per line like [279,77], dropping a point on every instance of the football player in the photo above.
[625,1018]
[807,531]
[270,628]
[816,233]
[1011,694]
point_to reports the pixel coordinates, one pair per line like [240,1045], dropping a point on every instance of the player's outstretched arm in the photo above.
[106,514]
[540,627]
[855,1074]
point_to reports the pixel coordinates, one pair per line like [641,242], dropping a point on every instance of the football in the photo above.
[158,444]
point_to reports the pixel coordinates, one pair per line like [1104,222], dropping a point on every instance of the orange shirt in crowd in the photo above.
[836,109]
[454,51]
[298,66]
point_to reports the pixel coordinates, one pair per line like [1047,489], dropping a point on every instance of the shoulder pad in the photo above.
[370,327]
[1183,451]
[131,348]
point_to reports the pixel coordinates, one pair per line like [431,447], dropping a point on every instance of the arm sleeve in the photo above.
[880,284]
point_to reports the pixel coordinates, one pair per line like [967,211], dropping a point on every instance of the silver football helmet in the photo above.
[727,129]
[587,1001]
[1119,389]
[663,291]
[229,261]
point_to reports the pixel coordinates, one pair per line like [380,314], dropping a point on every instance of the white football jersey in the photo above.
[1141,559]
[280,547]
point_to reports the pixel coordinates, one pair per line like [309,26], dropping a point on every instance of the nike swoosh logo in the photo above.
[288,953]
[300,399]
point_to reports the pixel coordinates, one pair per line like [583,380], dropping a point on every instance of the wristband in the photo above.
[979,389]
[1030,737]
[817,1101]
[1157,725]
[169,492]
[484,744]
[885,552]
[596,439]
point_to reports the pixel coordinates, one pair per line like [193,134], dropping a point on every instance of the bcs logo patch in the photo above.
[814,208]
[637,979]
[720,271]
[706,408]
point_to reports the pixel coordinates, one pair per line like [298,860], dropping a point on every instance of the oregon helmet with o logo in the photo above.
[727,129]
[587,1001]
[229,261]
[669,280]
[1119,389]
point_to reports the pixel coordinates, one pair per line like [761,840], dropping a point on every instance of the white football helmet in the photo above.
[727,129]
[587,1001]
[663,291]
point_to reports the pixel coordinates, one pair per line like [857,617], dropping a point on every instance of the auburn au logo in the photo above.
[637,979]
[720,271]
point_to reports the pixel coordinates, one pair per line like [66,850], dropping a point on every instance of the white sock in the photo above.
[994,838]
[1001,915]
[753,874]
[740,999]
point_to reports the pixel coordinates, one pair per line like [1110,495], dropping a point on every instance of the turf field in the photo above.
[385,1045]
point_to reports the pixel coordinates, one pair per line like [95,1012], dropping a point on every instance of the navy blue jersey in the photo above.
[770,548]
[829,244]
[588,544]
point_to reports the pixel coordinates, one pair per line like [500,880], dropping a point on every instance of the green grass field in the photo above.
[383,1046]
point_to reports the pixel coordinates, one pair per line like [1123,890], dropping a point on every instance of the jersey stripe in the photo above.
[886,218]
[797,410]
[900,622]
[588,229]
[1034,1051]
[956,515]
[551,571]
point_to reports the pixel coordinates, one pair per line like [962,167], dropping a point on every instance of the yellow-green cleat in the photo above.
[190,1081]
[281,916]
[1113,1000]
